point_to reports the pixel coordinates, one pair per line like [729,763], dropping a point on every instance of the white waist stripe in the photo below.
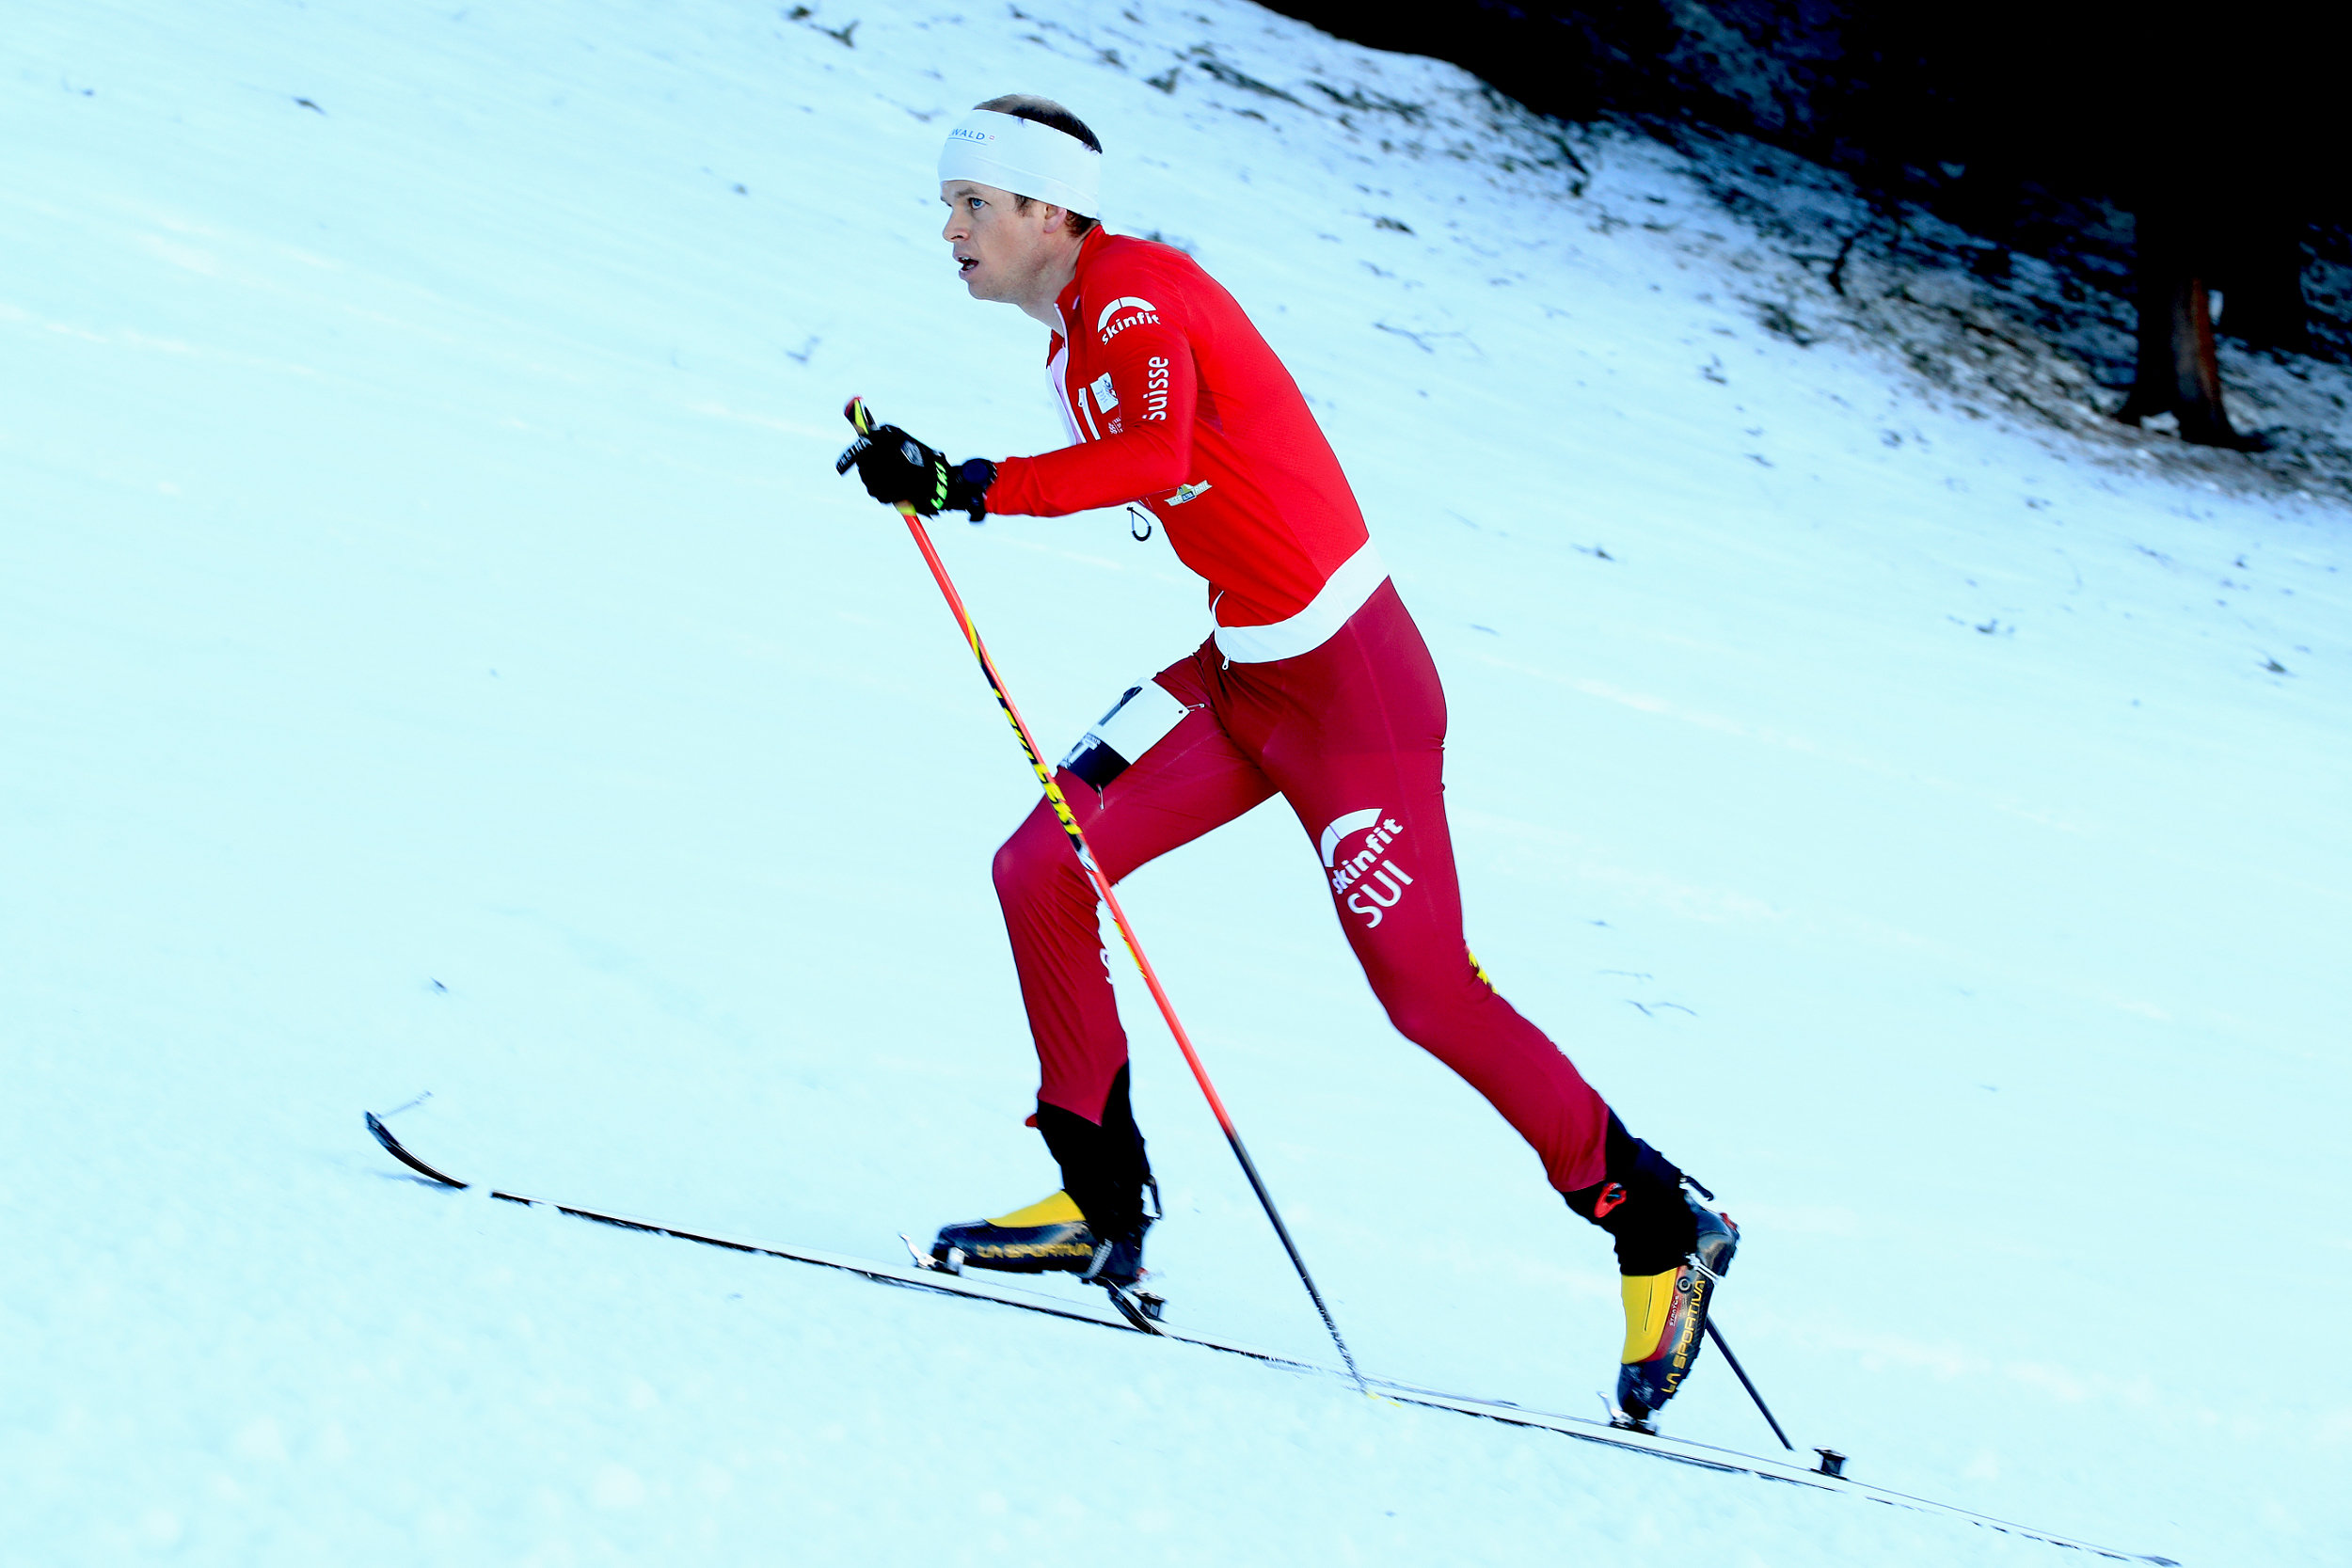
[1359,576]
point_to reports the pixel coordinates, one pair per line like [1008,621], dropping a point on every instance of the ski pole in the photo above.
[1725,1345]
[862,419]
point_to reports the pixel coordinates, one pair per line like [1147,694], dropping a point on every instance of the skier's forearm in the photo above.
[1127,468]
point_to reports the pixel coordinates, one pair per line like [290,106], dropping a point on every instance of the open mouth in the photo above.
[964,265]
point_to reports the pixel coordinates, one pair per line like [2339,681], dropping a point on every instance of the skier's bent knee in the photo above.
[1028,863]
[1430,1022]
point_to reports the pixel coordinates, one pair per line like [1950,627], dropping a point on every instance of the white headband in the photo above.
[1025,158]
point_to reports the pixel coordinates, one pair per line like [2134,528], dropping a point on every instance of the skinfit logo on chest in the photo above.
[1123,312]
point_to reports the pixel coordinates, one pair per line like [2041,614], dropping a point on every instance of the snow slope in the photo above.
[435,654]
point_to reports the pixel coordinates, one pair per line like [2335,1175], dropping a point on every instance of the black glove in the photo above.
[900,470]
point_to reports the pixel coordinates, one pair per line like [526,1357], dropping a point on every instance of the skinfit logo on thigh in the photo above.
[1378,879]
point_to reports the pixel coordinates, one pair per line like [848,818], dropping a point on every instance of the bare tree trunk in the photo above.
[2178,372]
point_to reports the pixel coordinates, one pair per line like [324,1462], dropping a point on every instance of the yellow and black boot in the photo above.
[1093,1227]
[1665,1318]
[1671,1253]
[1050,1236]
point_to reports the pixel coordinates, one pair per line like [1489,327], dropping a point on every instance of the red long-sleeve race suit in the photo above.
[1316,684]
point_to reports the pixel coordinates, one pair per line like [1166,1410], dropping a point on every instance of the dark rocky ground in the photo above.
[2045,338]
[1993,284]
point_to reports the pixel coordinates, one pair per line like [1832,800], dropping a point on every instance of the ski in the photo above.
[922,1275]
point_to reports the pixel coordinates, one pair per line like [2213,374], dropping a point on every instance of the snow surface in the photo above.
[435,654]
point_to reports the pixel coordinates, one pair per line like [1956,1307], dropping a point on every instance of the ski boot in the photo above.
[1672,1253]
[1052,1236]
[1093,1227]
[1665,1318]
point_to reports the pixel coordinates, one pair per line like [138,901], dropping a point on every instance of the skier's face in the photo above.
[1003,253]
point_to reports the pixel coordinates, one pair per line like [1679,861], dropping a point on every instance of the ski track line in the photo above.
[1680,1450]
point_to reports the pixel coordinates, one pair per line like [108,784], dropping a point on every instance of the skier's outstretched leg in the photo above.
[1354,733]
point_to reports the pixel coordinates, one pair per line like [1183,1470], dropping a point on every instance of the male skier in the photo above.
[1314,685]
